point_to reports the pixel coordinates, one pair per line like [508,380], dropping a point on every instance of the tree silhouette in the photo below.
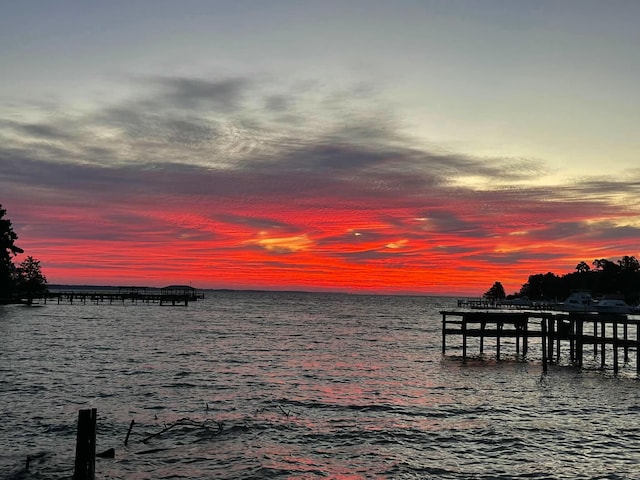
[30,280]
[8,250]
[583,267]
[496,292]
[605,265]
[629,264]
[606,278]
[543,286]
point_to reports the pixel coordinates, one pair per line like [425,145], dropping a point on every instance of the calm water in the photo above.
[281,385]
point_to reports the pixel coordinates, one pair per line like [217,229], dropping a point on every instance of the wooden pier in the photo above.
[481,303]
[171,295]
[611,338]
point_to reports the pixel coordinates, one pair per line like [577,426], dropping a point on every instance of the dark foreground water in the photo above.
[276,385]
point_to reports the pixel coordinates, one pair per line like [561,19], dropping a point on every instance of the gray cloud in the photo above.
[448,221]
[43,131]
[205,122]
[256,222]
[277,103]
[519,257]
[224,95]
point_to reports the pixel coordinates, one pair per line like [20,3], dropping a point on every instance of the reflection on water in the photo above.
[282,385]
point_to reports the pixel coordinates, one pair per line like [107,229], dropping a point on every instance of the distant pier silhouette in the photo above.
[170,295]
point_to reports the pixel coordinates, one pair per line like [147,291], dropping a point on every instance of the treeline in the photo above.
[603,277]
[22,282]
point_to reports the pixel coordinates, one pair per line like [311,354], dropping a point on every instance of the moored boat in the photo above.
[578,302]
[612,305]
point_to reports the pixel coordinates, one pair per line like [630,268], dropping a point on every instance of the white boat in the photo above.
[612,305]
[578,302]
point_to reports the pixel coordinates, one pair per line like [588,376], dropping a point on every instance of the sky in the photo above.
[405,147]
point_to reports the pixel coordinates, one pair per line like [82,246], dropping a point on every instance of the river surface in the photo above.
[264,385]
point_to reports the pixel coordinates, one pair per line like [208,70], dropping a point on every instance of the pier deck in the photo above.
[606,335]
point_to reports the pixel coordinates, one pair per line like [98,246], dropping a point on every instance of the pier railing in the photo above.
[481,303]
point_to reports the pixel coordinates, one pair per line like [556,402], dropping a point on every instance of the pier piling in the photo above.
[85,464]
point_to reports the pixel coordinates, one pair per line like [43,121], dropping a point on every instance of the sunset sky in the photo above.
[429,147]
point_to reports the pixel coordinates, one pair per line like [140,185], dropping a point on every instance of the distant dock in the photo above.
[612,338]
[172,295]
[481,303]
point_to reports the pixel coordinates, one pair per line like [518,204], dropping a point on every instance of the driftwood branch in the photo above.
[185,422]
[126,440]
[205,430]
[286,413]
[165,429]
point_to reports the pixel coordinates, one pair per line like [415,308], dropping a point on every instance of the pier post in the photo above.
[85,465]
[499,325]
[579,340]
[572,340]
[543,327]
[603,330]
[625,333]
[550,334]
[637,349]
[464,337]
[559,330]
[444,333]
[615,347]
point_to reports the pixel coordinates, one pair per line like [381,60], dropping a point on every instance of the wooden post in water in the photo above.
[625,333]
[572,339]
[603,331]
[551,333]
[464,337]
[85,466]
[579,340]
[444,333]
[543,327]
[615,347]
[560,329]
[637,349]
